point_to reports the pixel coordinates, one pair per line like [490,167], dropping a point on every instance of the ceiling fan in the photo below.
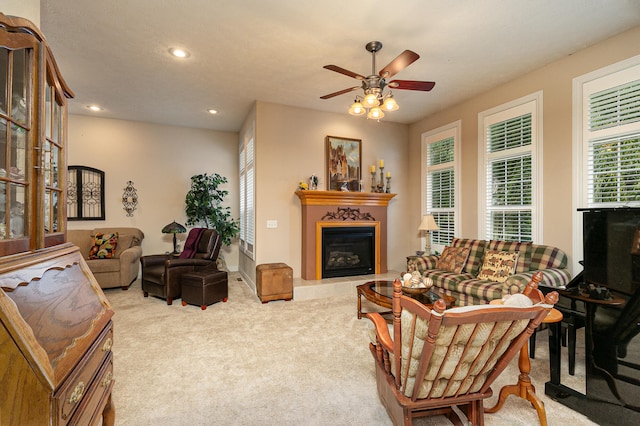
[373,86]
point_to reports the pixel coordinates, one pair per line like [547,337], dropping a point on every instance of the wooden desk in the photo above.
[524,388]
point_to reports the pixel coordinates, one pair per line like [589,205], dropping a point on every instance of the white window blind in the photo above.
[247,194]
[509,182]
[613,145]
[441,189]
[440,168]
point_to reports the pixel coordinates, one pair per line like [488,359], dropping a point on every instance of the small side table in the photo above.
[524,388]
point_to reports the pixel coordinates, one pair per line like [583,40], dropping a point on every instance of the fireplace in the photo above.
[338,209]
[348,251]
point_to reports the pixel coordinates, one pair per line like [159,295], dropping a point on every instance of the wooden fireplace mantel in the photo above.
[342,198]
[323,209]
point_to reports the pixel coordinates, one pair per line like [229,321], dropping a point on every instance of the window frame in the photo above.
[583,86]
[451,130]
[532,104]
[246,240]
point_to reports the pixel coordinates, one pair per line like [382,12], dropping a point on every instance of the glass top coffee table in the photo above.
[380,292]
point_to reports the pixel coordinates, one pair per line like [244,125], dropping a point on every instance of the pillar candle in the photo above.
[381,163]
[373,169]
[388,174]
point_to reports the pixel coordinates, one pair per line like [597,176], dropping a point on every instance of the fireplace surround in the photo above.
[337,209]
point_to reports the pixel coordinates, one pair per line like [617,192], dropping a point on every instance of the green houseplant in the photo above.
[203,206]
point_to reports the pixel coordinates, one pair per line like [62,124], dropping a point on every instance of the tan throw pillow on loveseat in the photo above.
[498,265]
[453,259]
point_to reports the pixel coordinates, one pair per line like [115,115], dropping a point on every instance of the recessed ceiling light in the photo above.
[212,111]
[179,53]
[95,108]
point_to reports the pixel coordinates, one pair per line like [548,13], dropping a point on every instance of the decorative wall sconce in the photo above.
[129,199]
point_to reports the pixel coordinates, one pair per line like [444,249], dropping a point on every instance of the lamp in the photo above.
[174,228]
[356,107]
[428,224]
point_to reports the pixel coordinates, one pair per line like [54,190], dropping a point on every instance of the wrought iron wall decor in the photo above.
[129,199]
[85,193]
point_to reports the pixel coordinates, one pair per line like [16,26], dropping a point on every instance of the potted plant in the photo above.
[203,206]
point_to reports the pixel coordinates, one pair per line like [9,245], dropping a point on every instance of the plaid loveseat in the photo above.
[469,290]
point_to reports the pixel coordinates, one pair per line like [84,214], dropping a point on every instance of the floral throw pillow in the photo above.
[453,259]
[103,246]
[498,265]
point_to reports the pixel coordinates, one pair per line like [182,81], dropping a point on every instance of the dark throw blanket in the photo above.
[191,245]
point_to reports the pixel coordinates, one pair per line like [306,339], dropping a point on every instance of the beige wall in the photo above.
[290,146]
[555,80]
[160,161]
[29,9]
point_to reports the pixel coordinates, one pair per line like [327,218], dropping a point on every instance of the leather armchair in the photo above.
[161,273]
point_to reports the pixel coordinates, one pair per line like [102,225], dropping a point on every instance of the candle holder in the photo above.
[381,175]
[373,180]
[388,190]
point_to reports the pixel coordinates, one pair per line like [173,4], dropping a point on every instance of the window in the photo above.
[611,139]
[440,165]
[606,116]
[508,171]
[85,193]
[247,193]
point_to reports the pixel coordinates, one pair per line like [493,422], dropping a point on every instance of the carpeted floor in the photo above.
[281,363]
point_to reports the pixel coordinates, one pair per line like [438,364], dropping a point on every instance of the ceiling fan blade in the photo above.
[344,71]
[425,86]
[341,92]
[402,61]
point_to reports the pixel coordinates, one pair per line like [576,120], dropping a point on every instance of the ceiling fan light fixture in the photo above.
[371,100]
[390,104]
[356,108]
[375,113]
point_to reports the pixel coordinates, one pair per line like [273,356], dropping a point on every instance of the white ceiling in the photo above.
[115,52]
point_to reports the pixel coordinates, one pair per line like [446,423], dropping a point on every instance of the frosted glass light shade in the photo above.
[375,113]
[356,109]
[390,104]
[370,101]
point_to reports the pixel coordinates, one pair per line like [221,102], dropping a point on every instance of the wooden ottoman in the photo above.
[204,287]
[274,281]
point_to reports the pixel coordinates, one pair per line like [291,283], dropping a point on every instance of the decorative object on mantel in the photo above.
[379,186]
[302,185]
[347,213]
[174,228]
[313,182]
[343,163]
[428,224]
[129,199]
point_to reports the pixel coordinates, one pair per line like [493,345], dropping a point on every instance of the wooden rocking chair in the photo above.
[439,359]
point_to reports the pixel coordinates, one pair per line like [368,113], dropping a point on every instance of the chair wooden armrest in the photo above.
[382,331]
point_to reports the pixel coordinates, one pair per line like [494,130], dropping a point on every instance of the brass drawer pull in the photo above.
[107,379]
[106,347]
[76,395]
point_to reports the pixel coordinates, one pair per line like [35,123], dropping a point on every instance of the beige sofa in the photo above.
[122,269]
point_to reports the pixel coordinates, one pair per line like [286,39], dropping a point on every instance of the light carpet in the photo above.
[281,363]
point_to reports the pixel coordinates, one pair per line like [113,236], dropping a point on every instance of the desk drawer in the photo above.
[90,410]
[71,394]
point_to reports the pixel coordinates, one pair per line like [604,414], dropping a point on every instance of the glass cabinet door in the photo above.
[52,161]
[33,101]
[15,127]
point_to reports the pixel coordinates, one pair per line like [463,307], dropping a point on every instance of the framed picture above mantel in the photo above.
[344,164]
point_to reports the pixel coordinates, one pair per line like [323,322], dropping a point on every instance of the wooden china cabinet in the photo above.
[56,334]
